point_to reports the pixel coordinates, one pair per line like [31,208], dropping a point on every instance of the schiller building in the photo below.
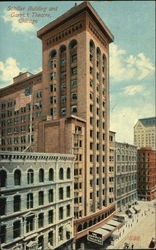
[68,111]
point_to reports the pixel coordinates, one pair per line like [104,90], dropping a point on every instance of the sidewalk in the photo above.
[138,230]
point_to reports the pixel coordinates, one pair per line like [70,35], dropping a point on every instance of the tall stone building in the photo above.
[65,109]
[144,133]
[125,175]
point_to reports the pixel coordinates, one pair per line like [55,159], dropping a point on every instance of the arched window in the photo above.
[41,175]
[62,48]
[91,45]
[90,223]
[61,174]
[73,44]
[53,53]
[51,174]
[17,203]
[3,178]
[29,200]
[85,225]
[30,176]
[17,177]
[68,173]
[98,52]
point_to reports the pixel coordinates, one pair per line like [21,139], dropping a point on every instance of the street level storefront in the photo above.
[104,232]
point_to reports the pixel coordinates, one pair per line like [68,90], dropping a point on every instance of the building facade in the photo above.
[144,133]
[65,109]
[146,167]
[36,202]
[125,175]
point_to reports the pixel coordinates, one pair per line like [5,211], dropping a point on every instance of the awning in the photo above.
[102,233]
[108,227]
[114,223]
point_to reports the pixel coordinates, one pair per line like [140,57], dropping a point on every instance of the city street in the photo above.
[139,230]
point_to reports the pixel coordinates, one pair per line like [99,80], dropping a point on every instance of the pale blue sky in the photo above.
[132,87]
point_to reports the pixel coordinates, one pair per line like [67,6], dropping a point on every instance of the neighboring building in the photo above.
[125,175]
[145,133]
[36,202]
[146,166]
[65,109]
[111,165]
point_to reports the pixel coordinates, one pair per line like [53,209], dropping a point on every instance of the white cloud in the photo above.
[8,70]
[133,89]
[124,67]
[17,26]
[123,120]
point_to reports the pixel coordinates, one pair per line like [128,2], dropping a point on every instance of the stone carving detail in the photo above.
[99,37]
[65,33]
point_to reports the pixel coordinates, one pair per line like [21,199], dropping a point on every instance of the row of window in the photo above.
[63,110]
[30,226]
[30,199]
[30,176]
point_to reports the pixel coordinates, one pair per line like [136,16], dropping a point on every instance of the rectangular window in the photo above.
[40,220]
[62,62]
[68,210]
[52,99]
[60,213]
[3,233]
[50,216]
[50,195]
[63,111]
[53,87]
[63,74]
[50,238]
[40,198]
[53,111]
[63,99]
[52,64]
[29,224]
[73,83]
[74,58]
[74,71]
[63,86]
[16,229]
[53,76]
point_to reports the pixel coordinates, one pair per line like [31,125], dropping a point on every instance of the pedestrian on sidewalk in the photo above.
[132,246]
